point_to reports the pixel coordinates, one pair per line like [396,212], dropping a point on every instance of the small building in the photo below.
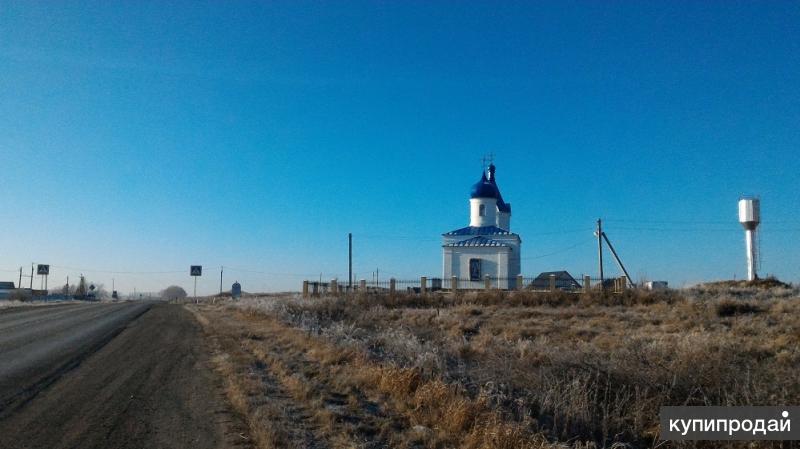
[655,285]
[5,289]
[564,281]
[486,247]
[236,290]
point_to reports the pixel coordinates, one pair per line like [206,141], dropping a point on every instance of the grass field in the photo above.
[502,370]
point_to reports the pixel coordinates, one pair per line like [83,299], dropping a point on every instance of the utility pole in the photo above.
[600,249]
[616,257]
[19,285]
[31,279]
[220,279]
[67,292]
[350,261]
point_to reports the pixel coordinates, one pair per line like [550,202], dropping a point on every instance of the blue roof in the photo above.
[477,241]
[502,206]
[487,188]
[480,230]
[484,189]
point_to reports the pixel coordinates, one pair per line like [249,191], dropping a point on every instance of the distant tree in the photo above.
[81,290]
[173,292]
[100,291]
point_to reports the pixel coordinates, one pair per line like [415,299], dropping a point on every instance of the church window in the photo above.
[482,210]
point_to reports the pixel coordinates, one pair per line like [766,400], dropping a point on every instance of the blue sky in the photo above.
[143,137]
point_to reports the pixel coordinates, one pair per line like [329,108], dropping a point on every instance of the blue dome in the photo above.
[484,189]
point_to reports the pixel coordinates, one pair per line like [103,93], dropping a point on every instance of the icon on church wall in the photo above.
[474,269]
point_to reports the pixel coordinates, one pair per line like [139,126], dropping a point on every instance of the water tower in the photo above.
[236,290]
[749,217]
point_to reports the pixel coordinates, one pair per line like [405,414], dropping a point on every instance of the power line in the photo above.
[267,273]
[658,229]
[563,250]
[655,229]
[89,270]
[635,220]
[437,239]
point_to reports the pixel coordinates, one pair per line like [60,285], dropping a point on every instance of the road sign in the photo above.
[43,269]
[196,270]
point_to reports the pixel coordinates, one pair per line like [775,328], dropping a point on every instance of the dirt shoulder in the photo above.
[294,392]
[150,386]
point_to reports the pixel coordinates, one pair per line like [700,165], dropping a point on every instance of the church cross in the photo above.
[487,159]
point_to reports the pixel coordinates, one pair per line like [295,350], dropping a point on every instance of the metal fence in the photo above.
[424,284]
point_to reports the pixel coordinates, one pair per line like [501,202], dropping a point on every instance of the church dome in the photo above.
[484,189]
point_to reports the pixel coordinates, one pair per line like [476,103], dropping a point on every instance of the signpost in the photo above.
[43,270]
[195,271]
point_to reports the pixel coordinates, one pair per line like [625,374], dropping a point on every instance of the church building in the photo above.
[487,246]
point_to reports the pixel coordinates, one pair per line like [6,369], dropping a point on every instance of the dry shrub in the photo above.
[397,382]
[439,404]
[525,369]
[496,433]
[730,307]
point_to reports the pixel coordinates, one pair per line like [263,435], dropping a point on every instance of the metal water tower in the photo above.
[750,217]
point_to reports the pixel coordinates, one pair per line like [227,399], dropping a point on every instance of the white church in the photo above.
[487,246]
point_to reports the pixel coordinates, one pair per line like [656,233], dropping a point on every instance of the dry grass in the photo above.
[496,369]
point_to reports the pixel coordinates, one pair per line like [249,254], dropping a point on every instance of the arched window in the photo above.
[482,210]
[474,269]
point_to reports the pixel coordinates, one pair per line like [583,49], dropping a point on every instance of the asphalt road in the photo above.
[126,375]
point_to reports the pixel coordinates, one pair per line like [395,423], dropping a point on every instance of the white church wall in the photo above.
[489,218]
[493,261]
[447,268]
[504,220]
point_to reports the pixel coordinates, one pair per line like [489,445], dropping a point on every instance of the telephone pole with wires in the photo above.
[599,234]
[350,261]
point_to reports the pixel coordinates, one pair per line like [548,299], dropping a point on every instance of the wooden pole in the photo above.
[350,260]
[600,249]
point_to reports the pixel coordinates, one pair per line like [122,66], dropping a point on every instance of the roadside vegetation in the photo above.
[504,369]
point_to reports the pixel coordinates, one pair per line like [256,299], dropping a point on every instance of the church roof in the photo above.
[502,206]
[484,189]
[479,230]
[477,241]
[487,188]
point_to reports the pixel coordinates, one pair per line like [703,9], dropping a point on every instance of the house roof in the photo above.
[479,230]
[559,275]
[477,241]
[564,280]
[6,285]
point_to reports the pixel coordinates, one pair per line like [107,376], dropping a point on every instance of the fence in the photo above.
[424,284]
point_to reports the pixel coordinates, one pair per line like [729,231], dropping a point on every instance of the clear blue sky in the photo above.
[146,136]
